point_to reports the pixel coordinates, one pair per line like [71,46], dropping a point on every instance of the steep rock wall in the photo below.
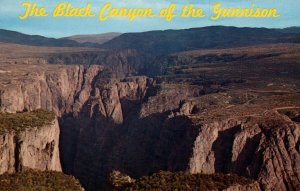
[118,63]
[53,88]
[263,148]
[33,148]
[119,128]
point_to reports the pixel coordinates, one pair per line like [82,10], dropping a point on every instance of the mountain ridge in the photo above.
[165,42]
[162,42]
[8,36]
[94,38]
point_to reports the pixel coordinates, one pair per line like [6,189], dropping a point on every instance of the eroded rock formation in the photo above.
[53,88]
[32,148]
[263,148]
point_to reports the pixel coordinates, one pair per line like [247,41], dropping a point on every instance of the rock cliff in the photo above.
[118,63]
[26,145]
[265,148]
[53,88]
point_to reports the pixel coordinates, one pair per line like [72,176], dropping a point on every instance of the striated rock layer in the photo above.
[53,88]
[264,148]
[32,148]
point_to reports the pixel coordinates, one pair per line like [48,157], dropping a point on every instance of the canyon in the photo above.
[208,111]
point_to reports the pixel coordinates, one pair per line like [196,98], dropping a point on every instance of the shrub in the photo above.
[184,181]
[38,181]
[20,121]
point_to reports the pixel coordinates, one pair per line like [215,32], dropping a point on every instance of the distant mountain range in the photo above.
[171,41]
[34,40]
[157,43]
[94,38]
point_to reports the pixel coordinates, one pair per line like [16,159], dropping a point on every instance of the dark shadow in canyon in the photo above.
[222,148]
[247,159]
[93,146]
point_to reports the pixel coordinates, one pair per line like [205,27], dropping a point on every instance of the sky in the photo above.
[67,26]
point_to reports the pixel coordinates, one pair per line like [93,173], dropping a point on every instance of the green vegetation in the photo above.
[20,121]
[184,181]
[38,181]
[118,181]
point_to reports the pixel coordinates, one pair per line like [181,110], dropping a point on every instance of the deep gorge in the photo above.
[185,117]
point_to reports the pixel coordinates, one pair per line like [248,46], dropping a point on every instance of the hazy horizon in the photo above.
[144,31]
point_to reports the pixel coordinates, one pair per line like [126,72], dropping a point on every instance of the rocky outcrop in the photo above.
[170,97]
[53,88]
[263,148]
[32,148]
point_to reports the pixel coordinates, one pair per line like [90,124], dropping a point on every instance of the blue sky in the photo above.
[60,27]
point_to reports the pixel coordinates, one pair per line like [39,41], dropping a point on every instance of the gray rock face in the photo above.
[53,88]
[34,148]
[264,148]
[117,63]
[7,159]
[61,89]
